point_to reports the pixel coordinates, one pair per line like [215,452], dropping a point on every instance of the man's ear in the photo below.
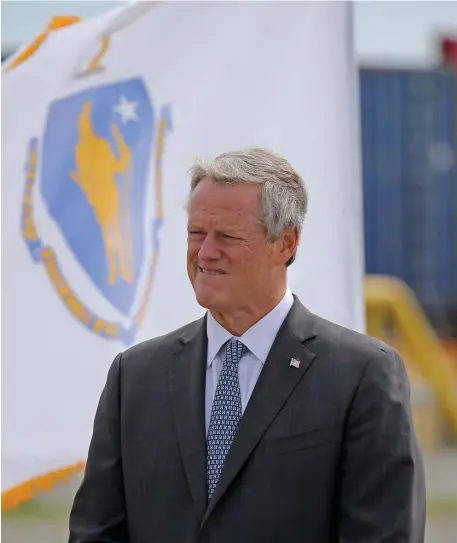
[290,238]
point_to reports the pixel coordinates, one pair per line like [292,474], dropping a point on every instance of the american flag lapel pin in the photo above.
[295,363]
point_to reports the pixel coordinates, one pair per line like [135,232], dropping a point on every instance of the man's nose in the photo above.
[209,249]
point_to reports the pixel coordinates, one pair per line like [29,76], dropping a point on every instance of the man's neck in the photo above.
[237,322]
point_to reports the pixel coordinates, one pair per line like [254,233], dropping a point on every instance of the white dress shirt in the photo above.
[258,339]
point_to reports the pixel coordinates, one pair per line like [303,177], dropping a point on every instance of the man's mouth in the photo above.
[207,271]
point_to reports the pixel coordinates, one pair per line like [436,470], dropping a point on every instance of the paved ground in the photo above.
[441,529]
[45,520]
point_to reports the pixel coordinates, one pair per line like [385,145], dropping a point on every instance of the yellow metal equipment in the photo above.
[395,317]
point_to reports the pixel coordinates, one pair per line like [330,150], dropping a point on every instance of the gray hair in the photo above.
[284,199]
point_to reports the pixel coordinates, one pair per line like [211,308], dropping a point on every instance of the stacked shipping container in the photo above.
[409,149]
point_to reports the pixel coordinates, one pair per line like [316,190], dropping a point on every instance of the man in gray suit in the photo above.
[260,422]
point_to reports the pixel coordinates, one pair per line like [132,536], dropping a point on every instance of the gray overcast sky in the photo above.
[401,32]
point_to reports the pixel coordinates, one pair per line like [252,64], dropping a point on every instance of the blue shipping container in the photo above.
[409,151]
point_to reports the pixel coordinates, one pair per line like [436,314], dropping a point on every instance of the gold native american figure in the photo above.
[96,168]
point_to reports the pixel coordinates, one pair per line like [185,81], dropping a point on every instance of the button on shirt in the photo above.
[258,339]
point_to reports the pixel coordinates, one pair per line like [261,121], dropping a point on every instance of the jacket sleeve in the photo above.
[98,514]
[382,494]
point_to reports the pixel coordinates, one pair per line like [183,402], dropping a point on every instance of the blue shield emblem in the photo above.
[94,181]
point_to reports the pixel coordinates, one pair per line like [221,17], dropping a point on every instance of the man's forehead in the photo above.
[225,206]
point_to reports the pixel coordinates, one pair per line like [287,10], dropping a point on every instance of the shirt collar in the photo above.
[258,339]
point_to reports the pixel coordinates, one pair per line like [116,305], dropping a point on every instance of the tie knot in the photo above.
[234,350]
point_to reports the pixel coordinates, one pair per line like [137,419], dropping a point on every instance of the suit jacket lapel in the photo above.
[275,384]
[187,373]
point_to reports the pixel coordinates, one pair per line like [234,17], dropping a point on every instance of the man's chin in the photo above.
[208,300]
[205,301]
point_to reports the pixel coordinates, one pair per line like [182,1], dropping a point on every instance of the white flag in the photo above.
[99,128]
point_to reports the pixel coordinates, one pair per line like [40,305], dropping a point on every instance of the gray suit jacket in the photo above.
[325,453]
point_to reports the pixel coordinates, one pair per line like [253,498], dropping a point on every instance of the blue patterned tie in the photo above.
[225,414]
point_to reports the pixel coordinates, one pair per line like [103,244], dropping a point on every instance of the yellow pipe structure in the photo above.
[391,305]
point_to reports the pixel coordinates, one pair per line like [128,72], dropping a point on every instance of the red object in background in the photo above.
[449,51]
